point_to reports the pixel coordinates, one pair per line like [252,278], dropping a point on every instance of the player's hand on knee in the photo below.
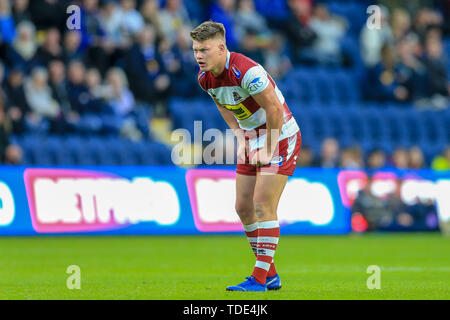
[241,153]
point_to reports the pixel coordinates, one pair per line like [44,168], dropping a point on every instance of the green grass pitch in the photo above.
[413,266]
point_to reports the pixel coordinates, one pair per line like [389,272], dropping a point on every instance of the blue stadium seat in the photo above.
[272,9]
[151,153]
[353,11]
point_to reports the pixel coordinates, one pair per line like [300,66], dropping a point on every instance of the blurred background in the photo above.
[112,92]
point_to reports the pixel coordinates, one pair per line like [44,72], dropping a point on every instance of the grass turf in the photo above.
[413,266]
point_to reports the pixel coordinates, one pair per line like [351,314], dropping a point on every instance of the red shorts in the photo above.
[284,161]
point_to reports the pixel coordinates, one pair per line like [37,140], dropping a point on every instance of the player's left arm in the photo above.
[257,83]
[268,100]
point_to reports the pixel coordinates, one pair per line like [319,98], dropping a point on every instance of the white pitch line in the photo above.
[363,269]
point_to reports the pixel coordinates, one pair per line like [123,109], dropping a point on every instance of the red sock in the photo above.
[267,241]
[251,230]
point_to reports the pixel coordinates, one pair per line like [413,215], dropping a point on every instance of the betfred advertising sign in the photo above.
[80,200]
[212,196]
[173,200]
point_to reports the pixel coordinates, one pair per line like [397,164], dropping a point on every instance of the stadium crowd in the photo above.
[131,57]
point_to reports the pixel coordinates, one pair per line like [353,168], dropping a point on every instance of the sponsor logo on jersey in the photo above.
[239,110]
[255,84]
[236,71]
[236,96]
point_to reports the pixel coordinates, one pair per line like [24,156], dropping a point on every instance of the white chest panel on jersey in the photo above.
[229,95]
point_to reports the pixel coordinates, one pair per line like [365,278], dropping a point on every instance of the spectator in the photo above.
[372,208]
[223,11]
[151,14]
[21,11]
[7,24]
[436,80]
[302,9]
[110,22]
[90,26]
[376,159]
[442,162]
[401,24]
[329,153]
[400,158]
[306,157]
[426,19]
[98,91]
[24,47]
[351,158]
[251,30]
[330,30]
[98,52]
[49,13]
[39,97]
[9,153]
[247,19]
[119,96]
[174,16]
[402,218]
[97,116]
[58,84]
[423,215]
[185,65]
[93,81]
[297,30]
[51,49]
[79,96]
[382,82]
[410,70]
[168,59]
[122,102]
[17,105]
[148,79]
[132,21]
[113,42]
[276,62]
[445,9]
[372,40]
[416,158]
[72,46]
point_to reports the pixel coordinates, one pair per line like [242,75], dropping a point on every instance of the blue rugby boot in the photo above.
[273,283]
[248,285]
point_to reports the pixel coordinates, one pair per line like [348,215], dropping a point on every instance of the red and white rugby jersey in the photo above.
[234,87]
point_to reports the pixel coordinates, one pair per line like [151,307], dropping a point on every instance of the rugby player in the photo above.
[269,143]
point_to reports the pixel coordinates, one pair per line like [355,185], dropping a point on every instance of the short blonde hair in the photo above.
[208,30]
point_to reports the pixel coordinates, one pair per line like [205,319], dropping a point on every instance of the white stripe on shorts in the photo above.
[291,146]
